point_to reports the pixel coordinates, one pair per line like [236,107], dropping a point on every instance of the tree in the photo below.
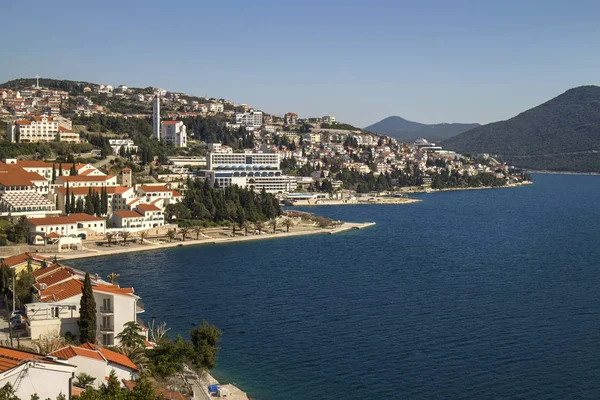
[53,173]
[273,223]
[83,380]
[67,198]
[60,171]
[73,171]
[143,236]
[245,227]
[109,238]
[288,223]
[125,235]
[198,231]
[113,276]
[87,312]
[260,226]
[171,233]
[184,232]
[7,392]
[112,388]
[131,336]
[205,339]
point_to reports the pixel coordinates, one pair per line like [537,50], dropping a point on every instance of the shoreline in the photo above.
[385,200]
[512,185]
[90,252]
[547,172]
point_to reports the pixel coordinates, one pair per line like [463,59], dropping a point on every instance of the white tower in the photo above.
[156,117]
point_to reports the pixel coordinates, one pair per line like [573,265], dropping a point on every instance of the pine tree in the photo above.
[87,312]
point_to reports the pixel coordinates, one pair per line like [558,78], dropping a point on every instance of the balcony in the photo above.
[139,307]
[107,329]
[106,310]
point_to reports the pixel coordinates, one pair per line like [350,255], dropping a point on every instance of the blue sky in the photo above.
[428,61]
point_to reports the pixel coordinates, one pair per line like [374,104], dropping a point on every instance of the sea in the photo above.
[479,294]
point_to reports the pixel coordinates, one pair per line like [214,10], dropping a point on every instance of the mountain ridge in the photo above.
[406,130]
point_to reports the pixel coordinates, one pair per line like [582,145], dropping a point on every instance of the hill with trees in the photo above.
[562,134]
[409,131]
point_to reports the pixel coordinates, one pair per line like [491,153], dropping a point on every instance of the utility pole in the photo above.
[13,290]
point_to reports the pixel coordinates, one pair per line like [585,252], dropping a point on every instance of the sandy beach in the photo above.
[211,236]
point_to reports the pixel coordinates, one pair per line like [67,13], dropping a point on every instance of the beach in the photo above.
[212,236]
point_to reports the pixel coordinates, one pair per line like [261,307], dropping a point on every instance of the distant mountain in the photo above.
[561,134]
[408,131]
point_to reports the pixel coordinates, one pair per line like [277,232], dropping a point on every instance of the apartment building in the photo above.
[250,118]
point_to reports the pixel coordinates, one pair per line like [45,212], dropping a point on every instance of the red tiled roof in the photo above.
[73,351]
[74,287]
[83,190]
[176,193]
[76,391]
[22,258]
[53,235]
[148,189]
[112,356]
[47,164]
[65,220]
[55,277]
[147,207]
[15,175]
[11,358]
[170,122]
[128,214]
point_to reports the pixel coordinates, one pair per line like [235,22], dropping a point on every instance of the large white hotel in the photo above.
[255,171]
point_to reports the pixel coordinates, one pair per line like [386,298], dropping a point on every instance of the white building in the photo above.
[86,180]
[329,119]
[58,289]
[256,171]
[118,196]
[145,216]
[173,133]
[34,129]
[24,193]
[74,224]
[250,118]
[215,107]
[98,362]
[31,373]
[156,117]
[126,144]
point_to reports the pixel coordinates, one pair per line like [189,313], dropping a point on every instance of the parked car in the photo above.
[16,313]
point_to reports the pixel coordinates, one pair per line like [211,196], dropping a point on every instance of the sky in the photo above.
[429,61]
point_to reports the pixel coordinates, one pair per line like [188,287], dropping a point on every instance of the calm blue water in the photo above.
[474,294]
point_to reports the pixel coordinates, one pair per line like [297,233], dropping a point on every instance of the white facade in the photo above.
[256,171]
[127,144]
[250,118]
[35,129]
[46,379]
[173,133]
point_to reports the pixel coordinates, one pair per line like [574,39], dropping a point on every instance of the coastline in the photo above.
[133,248]
[512,185]
[381,200]
[547,172]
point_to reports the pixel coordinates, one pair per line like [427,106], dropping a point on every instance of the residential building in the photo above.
[44,168]
[215,107]
[58,291]
[22,262]
[98,362]
[118,196]
[173,133]
[328,119]
[256,171]
[145,216]
[290,118]
[250,118]
[86,180]
[32,374]
[78,224]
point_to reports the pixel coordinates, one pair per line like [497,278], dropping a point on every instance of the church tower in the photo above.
[156,117]
[127,177]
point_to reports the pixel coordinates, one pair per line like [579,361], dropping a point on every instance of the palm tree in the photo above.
[184,232]
[245,226]
[143,236]
[126,236]
[273,223]
[113,276]
[259,226]
[198,231]
[171,234]
[109,238]
[288,223]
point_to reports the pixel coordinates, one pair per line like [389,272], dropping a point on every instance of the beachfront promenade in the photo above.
[218,236]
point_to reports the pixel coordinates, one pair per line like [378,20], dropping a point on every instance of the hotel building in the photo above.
[255,171]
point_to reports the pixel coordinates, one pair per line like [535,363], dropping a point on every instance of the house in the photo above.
[35,374]
[145,216]
[21,262]
[58,291]
[97,362]
[78,224]
[118,196]
[173,133]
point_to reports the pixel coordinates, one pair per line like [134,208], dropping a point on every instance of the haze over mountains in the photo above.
[407,131]
[561,134]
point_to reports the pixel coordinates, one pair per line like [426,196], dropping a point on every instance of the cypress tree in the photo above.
[67,200]
[73,205]
[87,312]
[73,170]
[60,172]
[53,173]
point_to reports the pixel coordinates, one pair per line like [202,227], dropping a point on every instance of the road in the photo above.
[102,163]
